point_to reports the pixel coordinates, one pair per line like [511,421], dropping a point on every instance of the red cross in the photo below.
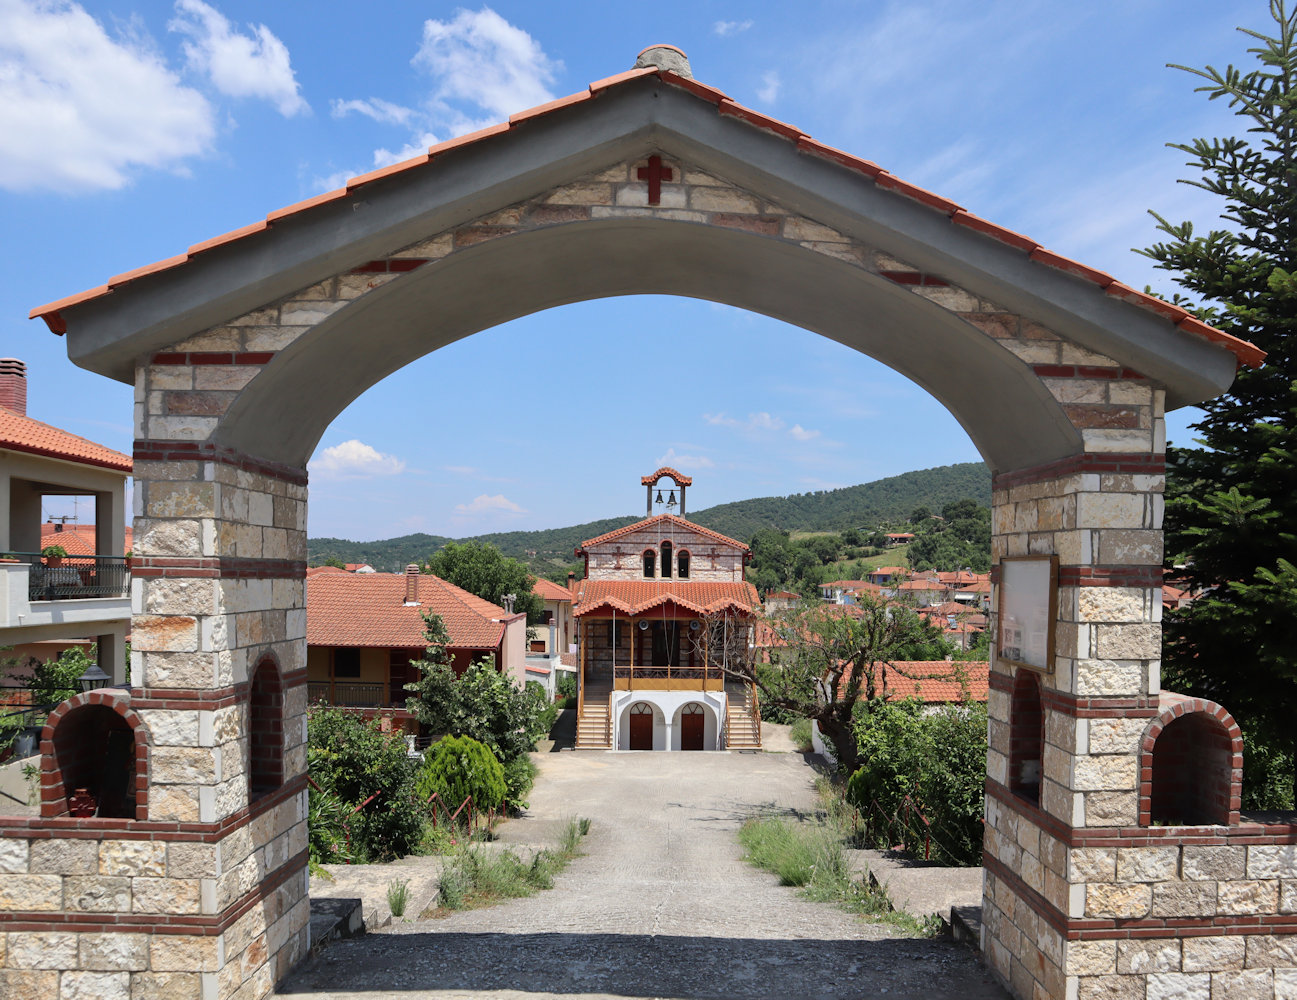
[655,174]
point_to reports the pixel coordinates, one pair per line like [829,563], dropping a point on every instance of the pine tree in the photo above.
[1231,513]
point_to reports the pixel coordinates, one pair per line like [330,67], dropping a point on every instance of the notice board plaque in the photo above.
[1028,608]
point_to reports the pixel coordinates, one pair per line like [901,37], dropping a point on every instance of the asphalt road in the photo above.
[661,905]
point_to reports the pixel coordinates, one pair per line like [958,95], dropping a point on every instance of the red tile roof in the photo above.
[657,519]
[936,681]
[1244,352]
[20,433]
[666,470]
[369,609]
[78,539]
[784,594]
[636,597]
[551,591]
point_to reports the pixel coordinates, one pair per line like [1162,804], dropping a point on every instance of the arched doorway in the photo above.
[243,350]
[692,718]
[641,726]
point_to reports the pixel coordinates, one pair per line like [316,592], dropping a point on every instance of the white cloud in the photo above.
[685,462]
[483,69]
[483,60]
[769,89]
[239,65]
[801,434]
[755,422]
[79,110]
[355,460]
[376,108]
[484,504]
[727,28]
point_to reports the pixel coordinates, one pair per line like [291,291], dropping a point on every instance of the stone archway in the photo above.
[244,349]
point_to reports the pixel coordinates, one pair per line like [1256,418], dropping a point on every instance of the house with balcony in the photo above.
[83,596]
[663,609]
[363,630]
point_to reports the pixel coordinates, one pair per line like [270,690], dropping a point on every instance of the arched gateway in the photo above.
[243,349]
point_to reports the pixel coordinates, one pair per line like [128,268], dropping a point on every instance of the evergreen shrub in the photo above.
[457,767]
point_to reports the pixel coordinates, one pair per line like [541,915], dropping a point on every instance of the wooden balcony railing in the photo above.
[354,694]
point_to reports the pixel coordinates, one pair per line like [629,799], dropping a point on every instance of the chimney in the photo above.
[13,385]
[411,584]
[571,581]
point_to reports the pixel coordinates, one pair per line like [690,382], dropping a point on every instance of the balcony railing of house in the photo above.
[74,578]
[349,694]
[667,676]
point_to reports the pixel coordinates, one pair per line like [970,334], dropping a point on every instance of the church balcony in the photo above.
[668,678]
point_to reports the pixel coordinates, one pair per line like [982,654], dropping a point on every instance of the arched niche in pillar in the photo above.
[96,742]
[1026,736]
[1192,765]
[265,730]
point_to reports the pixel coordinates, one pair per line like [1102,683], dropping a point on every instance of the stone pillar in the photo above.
[195,888]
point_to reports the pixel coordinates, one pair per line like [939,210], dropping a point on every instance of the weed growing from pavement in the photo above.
[809,854]
[398,895]
[477,878]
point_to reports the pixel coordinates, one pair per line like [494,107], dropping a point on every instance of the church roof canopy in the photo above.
[638,597]
[667,471]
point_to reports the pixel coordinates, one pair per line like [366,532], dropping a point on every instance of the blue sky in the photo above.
[130,130]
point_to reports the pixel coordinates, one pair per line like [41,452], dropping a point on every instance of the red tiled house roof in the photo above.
[22,433]
[673,520]
[78,539]
[1244,352]
[636,597]
[550,591]
[932,682]
[369,609]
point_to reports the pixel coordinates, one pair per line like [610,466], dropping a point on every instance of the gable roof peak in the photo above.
[665,57]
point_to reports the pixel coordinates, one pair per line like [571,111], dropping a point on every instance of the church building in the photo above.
[662,609]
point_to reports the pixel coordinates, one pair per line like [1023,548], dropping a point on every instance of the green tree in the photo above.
[481,569]
[350,759]
[482,703]
[832,661]
[458,767]
[1232,502]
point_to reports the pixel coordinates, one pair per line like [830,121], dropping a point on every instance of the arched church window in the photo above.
[650,561]
[666,559]
[265,731]
[682,561]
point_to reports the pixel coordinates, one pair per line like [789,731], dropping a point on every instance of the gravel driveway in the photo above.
[661,905]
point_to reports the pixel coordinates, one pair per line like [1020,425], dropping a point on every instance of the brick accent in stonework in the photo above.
[1191,771]
[1084,899]
[97,742]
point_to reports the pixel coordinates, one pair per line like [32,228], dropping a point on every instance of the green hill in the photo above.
[865,506]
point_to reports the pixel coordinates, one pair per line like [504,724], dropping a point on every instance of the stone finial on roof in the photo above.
[665,57]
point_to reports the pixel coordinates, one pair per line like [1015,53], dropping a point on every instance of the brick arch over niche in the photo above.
[96,741]
[1191,767]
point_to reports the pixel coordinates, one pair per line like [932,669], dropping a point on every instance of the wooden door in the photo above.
[641,727]
[691,727]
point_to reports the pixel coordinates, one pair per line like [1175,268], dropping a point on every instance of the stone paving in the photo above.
[661,905]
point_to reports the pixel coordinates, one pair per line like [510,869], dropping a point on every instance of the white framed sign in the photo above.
[1027,611]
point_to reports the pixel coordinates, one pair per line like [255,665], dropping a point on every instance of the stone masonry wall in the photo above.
[622,558]
[220,562]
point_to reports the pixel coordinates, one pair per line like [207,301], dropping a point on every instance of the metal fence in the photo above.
[75,577]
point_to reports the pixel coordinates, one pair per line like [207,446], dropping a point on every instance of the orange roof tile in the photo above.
[666,470]
[369,609]
[656,519]
[20,433]
[934,681]
[634,597]
[1246,353]
[78,539]
[551,591]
